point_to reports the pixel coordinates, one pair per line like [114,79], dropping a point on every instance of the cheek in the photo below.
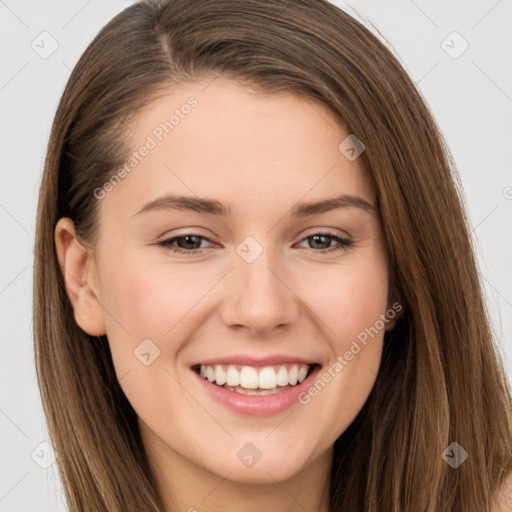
[149,311]
[348,300]
[148,299]
[138,305]
[350,310]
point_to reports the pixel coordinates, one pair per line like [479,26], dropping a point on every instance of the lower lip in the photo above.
[254,405]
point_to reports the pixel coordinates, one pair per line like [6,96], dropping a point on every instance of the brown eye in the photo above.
[320,242]
[189,243]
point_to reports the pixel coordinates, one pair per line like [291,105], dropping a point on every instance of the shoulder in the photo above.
[504,499]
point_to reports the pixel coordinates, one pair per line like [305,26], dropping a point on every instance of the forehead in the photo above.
[220,139]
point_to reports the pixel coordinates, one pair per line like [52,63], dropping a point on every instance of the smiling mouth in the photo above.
[253,380]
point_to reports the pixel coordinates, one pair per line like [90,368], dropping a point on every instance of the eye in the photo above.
[319,238]
[190,243]
[184,243]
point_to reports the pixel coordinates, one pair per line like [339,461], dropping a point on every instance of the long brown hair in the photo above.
[441,378]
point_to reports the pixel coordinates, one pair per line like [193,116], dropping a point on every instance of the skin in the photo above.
[261,154]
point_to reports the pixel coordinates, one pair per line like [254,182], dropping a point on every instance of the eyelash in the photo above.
[344,243]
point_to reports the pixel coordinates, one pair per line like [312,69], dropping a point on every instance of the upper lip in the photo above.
[246,360]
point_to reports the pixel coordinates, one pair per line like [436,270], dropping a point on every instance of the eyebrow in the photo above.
[213,207]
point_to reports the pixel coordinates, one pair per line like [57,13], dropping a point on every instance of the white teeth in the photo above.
[267,378]
[303,371]
[249,379]
[282,377]
[210,373]
[292,375]
[233,376]
[220,375]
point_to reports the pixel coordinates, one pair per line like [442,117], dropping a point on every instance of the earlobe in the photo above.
[80,275]
[394,312]
[390,325]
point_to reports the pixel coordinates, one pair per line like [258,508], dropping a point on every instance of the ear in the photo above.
[79,270]
[395,307]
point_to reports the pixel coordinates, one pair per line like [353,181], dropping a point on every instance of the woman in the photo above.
[260,371]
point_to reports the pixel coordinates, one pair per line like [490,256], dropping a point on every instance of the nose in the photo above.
[260,295]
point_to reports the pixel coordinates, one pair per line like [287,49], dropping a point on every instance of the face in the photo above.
[266,284]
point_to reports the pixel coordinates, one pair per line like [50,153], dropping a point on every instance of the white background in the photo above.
[470,96]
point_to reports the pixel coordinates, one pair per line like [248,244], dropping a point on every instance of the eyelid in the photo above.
[187,231]
[326,230]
